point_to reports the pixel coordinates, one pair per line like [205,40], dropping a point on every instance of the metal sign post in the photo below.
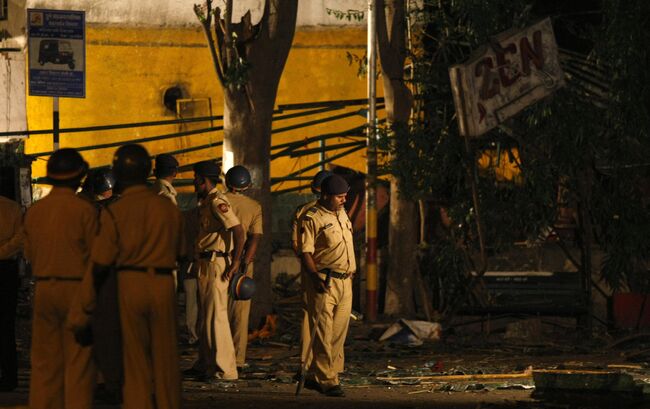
[55,123]
[57,57]
[371,177]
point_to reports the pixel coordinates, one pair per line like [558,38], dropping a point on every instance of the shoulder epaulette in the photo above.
[312,210]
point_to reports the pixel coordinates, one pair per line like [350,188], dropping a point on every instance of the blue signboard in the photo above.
[57,53]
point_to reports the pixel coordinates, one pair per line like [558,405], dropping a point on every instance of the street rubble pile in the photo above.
[418,357]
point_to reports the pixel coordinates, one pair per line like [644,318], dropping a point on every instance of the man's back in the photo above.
[148,229]
[59,230]
[248,210]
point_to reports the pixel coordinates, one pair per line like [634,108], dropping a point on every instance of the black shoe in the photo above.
[312,384]
[335,391]
[193,373]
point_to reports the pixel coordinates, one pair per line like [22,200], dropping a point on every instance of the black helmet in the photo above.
[66,167]
[208,169]
[131,165]
[166,165]
[102,180]
[241,287]
[318,180]
[238,178]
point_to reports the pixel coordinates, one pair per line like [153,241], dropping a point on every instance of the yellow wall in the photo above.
[128,69]
[504,165]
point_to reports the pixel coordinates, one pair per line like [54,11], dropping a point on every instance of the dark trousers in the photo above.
[107,334]
[8,302]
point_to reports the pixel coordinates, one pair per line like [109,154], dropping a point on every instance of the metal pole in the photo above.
[55,123]
[371,177]
[321,156]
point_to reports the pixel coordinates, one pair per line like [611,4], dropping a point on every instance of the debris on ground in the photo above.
[412,333]
[635,347]
[268,329]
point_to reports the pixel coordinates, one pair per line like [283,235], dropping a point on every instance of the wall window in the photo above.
[3,9]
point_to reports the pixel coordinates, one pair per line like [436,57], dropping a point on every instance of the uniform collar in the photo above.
[168,185]
[326,210]
[214,191]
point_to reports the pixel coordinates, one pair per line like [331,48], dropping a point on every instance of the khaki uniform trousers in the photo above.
[328,349]
[149,340]
[305,334]
[216,349]
[63,373]
[238,313]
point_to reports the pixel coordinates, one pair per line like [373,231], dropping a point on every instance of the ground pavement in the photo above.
[459,372]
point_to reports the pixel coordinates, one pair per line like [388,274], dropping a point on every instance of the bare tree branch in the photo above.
[205,18]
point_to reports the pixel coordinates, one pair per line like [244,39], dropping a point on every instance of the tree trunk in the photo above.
[249,60]
[247,138]
[403,229]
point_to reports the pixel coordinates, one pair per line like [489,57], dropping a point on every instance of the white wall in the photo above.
[12,70]
[12,93]
[180,12]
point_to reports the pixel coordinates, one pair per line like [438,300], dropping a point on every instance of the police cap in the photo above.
[207,168]
[318,180]
[334,185]
[65,165]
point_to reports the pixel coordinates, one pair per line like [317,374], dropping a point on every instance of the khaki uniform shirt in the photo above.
[140,229]
[215,218]
[59,232]
[296,235]
[11,228]
[328,236]
[164,188]
[248,210]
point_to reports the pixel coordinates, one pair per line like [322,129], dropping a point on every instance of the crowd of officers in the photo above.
[105,249]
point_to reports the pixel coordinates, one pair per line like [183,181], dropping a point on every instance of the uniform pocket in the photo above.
[332,236]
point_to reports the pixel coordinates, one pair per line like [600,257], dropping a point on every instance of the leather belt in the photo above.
[156,270]
[38,278]
[209,254]
[340,276]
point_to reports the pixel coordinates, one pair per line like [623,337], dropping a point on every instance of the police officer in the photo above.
[296,240]
[249,212]
[59,232]
[220,233]
[302,209]
[11,243]
[327,247]
[165,172]
[141,235]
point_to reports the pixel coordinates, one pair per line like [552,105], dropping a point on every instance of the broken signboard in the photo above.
[517,69]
